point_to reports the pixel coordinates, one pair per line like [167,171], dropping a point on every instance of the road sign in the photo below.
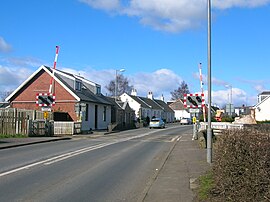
[45,99]
[46,109]
[45,115]
[194,119]
[194,100]
[194,110]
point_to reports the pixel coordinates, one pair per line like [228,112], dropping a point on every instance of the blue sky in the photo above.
[159,42]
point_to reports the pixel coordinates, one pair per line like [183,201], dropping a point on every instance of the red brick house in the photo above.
[79,97]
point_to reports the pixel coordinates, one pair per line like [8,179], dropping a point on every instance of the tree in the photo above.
[122,86]
[179,93]
[4,94]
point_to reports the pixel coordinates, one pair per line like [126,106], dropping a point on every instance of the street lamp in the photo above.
[230,99]
[209,129]
[116,84]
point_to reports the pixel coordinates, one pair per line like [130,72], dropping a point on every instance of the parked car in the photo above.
[156,123]
[185,121]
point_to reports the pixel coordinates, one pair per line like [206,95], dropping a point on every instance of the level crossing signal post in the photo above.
[194,102]
[45,101]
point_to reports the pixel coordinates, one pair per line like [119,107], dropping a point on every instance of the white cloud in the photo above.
[102,77]
[160,82]
[215,81]
[13,71]
[222,97]
[225,4]
[107,5]
[23,62]
[4,46]
[11,78]
[169,15]
[259,88]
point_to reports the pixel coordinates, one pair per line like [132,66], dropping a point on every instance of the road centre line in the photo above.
[71,154]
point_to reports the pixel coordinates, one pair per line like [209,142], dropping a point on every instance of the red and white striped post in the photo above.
[201,82]
[54,67]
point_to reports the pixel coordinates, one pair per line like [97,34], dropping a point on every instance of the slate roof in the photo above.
[153,104]
[137,99]
[85,94]
[177,105]
[115,103]
[4,104]
[164,105]
[265,93]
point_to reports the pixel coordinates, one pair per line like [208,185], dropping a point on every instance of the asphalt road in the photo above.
[116,167]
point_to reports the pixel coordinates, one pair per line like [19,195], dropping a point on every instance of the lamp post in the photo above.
[209,129]
[116,84]
[230,99]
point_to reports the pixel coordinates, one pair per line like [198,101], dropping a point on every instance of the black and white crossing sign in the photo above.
[194,100]
[45,99]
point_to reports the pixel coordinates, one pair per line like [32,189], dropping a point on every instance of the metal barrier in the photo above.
[221,125]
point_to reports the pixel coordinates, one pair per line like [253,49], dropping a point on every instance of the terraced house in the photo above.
[148,106]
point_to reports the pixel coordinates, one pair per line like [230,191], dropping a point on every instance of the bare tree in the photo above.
[122,86]
[180,91]
[4,94]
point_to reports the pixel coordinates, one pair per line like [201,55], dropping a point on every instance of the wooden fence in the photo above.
[28,114]
[32,123]
[63,128]
[10,124]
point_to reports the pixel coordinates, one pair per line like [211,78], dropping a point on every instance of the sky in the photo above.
[159,43]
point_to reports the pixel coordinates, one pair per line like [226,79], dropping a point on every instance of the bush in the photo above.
[241,168]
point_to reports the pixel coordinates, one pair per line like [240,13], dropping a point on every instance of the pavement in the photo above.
[174,181]
[6,143]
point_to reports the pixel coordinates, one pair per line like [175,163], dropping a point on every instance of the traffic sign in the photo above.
[193,111]
[194,100]
[45,99]
[45,115]
[194,119]
[46,109]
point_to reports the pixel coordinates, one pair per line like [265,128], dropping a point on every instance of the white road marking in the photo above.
[71,154]
[175,138]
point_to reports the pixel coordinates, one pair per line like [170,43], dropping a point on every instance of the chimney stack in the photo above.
[134,92]
[162,98]
[150,95]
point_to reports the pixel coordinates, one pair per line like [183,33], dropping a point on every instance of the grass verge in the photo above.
[206,183]
[12,136]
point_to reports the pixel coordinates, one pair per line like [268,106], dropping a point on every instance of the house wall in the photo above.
[179,114]
[132,103]
[262,111]
[26,97]
[169,117]
[261,97]
[101,124]
[69,81]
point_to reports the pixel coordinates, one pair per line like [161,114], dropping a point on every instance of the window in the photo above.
[104,113]
[98,90]
[78,85]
